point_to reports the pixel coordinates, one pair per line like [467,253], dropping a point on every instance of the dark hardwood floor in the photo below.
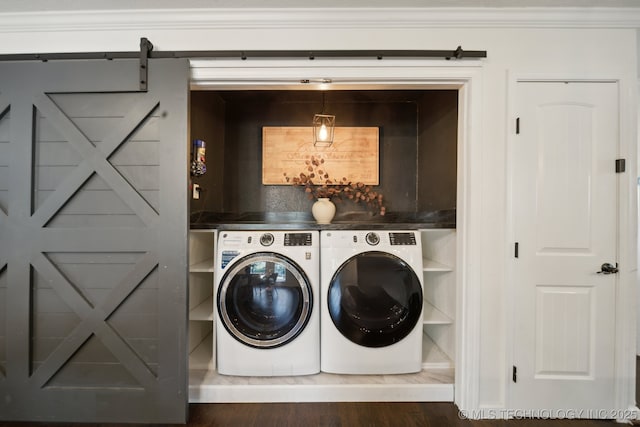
[376,414]
[356,414]
[379,414]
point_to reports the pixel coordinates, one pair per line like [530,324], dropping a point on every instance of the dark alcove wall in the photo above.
[437,150]
[231,122]
[207,122]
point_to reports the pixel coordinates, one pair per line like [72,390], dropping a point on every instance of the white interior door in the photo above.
[564,200]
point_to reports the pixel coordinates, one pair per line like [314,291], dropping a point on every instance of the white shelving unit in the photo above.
[433,316]
[432,356]
[201,285]
[203,311]
[439,262]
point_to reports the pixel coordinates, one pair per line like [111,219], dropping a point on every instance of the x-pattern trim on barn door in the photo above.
[4,110]
[94,321]
[96,159]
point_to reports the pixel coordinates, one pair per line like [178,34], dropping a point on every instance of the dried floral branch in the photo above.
[318,184]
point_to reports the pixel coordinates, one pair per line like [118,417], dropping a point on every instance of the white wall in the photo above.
[38,5]
[518,43]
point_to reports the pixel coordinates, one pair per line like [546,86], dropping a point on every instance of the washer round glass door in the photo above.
[264,300]
[375,299]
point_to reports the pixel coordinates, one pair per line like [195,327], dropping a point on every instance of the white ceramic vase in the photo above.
[323,210]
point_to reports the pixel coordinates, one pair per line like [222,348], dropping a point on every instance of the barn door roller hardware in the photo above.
[145,48]
[146,52]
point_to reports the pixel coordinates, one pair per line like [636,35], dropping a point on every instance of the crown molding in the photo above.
[318,18]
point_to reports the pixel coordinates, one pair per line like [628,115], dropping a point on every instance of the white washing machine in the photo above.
[267,316]
[371,297]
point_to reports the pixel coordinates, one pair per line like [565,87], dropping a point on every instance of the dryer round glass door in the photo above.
[264,300]
[375,299]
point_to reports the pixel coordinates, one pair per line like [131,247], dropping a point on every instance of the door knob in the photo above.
[608,268]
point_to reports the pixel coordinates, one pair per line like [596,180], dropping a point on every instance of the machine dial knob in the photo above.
[372,238]
[266,239]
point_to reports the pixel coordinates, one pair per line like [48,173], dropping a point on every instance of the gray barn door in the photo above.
[93,234]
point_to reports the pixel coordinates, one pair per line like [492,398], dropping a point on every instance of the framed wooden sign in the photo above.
[354,153]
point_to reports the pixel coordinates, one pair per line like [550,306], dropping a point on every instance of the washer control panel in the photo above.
[297,239]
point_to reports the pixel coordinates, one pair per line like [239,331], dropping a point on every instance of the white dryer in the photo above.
[267,318]
[371,290]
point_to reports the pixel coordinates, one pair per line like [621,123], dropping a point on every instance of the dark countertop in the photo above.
[304,220]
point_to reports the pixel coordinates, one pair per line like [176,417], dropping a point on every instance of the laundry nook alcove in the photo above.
[418,157]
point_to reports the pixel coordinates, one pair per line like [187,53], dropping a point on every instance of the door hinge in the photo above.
[514,375]
[620,165]
[516,250]
[518,126]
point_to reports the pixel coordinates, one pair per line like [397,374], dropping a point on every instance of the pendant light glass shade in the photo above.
[323,127]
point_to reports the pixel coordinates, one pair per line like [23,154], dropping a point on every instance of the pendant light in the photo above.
[323,128]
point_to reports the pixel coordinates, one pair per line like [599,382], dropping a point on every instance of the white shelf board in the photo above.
[431,265]
[432,356]
[433,385]
[203,311]
[432,316]
[205,266]
[202,356]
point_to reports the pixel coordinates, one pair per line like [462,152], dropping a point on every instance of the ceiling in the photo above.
[69,5]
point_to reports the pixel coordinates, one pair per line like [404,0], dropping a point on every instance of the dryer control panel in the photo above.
[402,239]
